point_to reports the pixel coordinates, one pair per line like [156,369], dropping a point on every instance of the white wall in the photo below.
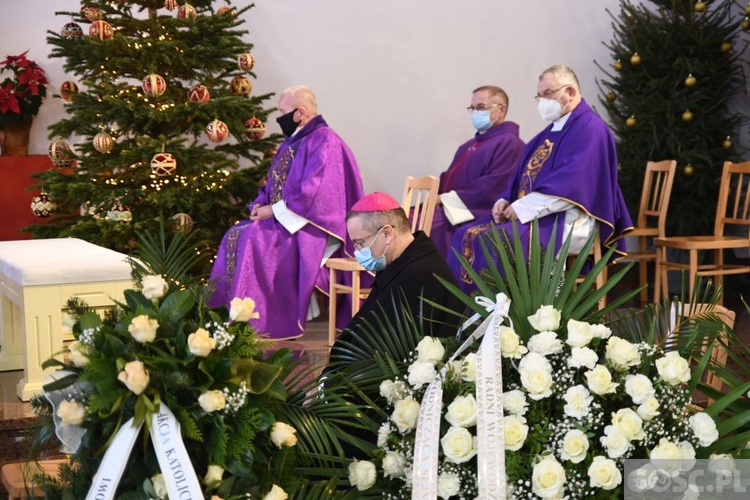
[393,77]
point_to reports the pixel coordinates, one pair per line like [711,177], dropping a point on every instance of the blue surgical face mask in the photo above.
[481,120]
[366,260]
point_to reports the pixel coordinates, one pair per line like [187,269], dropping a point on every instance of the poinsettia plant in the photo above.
[21,93]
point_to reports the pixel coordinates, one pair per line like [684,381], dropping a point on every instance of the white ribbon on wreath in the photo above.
[490,432]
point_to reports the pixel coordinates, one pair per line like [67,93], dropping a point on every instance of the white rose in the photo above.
[242,309]
[599,331]
[276,493]
[536,375]
[704,428]
[421,373]
[449,485]
[599,380]
[394,464]
[575,444]
[143,329]
[583,357]
[462,412]
[579,333]
[430,350]
[510,344]
[546,318]
[578,400]
[548,478]
[76,353]
[213,476]
[283,434]
[71,412]
[469,368]
[545,343]
[622,354]
[160,487]
[722,465]
[516,431]
[362,474]
[383,433]
[515,402]
[394,390]
[134,376]
[153,287]
[604,474]
[629,424]
[458,445]
[638,387]
[673,368]
[671,458]
[614,442]
[212,401]
[666,450]
[648,409]
[200,343]
[405,413]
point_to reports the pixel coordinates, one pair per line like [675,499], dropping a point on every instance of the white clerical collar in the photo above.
[558,124]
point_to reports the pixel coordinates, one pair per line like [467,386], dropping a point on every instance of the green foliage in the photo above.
[674,43]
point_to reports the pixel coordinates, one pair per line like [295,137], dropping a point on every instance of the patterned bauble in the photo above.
[270,153]
[101,30]
[94,211]
[225,11]
[43,205]
[254,129]
[119,213]
[103,142]
[170,4]
[154,85]
[198,93]
[61,154]
[92,13]
[187,11]
[240,86]
[245,62]
[217,131]
[163,164]
[67,89]
[71,30]
[182,222]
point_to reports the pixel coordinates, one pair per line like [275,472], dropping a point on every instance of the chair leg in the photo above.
[356,292]
[693,271]
[719,278]
[332,296]
[643,271]
[660,273]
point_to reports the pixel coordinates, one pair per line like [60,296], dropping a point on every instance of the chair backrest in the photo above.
[420,200]
[657,190]
[734,197]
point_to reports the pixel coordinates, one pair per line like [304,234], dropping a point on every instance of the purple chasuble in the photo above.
[316,175]
[577,164]
[481,168]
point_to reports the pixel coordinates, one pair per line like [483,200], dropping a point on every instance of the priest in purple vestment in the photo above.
[276,257]
[481,168]
[567,180]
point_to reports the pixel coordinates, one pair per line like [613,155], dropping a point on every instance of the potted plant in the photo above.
[21,96]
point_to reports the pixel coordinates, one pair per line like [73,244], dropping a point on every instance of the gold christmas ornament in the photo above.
[225,11]
[163,164]
[61,154]
[154,85]
[182,222]
[187,11]
[170,4]
[726,46]
[727,144]
[631,121]
[745,24]
[635,59]
[687,116]
[103,142]
[690,81]
[747,9]
[611,96]
[240,85]
[699,7]
[617,65]
[688,170]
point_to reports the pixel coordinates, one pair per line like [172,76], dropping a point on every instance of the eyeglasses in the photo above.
[360,244]
[482,107]
[547,94]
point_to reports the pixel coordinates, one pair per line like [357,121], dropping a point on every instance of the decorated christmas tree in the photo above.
[162,122]
[675,68]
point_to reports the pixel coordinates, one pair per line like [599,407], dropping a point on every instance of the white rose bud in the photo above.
[362,474]
[604,474]
[704,428]
[143,329]
[649,408]
[212,401]
[622,354]
[510,344]
[153,287]
[548,478]
[469,368]
[394,464]
[134,376]
[545,343]
[405,413]
[449,485]
[76,354]
[242,309]
[71,412]
[638,387]
[515,402]
[546,318]
[200,343]
[462,412]
[575,444]
[599,380]
[430,350]
[213,477]
[160,487]
[421,373]
[458,445]
[579,333]
[673,368]
[283,435]
[516,431]
[276,493]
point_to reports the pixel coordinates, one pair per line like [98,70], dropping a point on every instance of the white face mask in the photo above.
[549,109]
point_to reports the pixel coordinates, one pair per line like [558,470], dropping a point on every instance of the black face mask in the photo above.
[287,123]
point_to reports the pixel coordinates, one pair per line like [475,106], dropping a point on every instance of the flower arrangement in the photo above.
[21,94]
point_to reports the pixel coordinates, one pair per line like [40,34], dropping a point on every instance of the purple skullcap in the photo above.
[376,202]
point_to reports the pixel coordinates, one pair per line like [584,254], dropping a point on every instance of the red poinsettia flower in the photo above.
[9,60]
[22,93]
[8,99]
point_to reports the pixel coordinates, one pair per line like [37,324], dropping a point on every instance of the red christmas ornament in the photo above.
[240,86]
[163,164]
[92,13]
[170,4]
[101,30]
[225,11]
[67,89]
[254,129]
[245,62]
[154,85]
[187,11]
[198,93]
[217,131]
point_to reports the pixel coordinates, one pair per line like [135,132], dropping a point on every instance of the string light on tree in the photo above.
[67,89]
[101,30]
[217,131]
[154,85]
[42,205]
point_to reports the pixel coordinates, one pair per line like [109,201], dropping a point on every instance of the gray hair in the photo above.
[563,75]
[371,221]
[303,96]
[498,95]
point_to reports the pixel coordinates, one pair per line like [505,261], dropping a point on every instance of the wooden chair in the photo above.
[419,202]
[733,209]
[596,255]
[657,189]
